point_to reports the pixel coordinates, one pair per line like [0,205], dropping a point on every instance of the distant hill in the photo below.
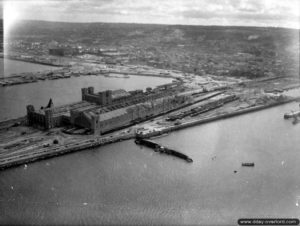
[175,46]
[119,31]
[171,35]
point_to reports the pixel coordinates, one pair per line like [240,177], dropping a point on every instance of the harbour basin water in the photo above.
[14,99]
[123,183]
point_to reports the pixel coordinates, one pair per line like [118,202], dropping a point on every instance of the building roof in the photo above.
[113,114]
[119,93]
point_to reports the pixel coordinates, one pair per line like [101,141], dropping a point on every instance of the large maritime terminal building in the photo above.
[109,110]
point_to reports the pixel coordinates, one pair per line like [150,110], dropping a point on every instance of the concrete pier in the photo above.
[214,118]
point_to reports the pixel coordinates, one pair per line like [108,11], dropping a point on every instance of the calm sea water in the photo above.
[11,67]
[123,183]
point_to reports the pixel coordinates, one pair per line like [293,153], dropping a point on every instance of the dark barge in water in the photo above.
[251,164]
[161,149]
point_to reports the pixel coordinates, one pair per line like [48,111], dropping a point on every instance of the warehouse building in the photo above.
[101,122]
[108,110]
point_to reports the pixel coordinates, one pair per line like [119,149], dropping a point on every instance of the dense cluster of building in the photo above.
[63,51]
[109,110]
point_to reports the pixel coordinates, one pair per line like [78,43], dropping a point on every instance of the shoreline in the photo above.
[20,79]
[97,142]
[58,73]
[32,61]
[143,74]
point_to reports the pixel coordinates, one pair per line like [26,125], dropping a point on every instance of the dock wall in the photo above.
[214,118]
[61,150]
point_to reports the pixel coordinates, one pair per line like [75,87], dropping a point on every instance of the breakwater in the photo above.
[33,61]
[142,74]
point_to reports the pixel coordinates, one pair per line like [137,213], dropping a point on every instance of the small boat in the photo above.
[248,164]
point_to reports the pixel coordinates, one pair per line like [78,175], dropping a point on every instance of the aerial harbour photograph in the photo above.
[139,112]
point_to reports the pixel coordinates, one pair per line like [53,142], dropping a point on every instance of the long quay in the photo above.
[200,121]
[162,149]
[49,152]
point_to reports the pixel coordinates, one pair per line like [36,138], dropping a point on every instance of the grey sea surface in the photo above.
[123,183]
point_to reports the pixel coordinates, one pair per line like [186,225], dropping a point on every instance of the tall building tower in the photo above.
[30,110]
[84,91]
[95,121]
[91,90]
[48,118]
[108,94]
[50,103]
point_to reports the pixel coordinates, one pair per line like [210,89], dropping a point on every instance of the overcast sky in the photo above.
[277,13]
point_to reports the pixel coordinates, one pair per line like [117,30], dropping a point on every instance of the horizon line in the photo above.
[161,24]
